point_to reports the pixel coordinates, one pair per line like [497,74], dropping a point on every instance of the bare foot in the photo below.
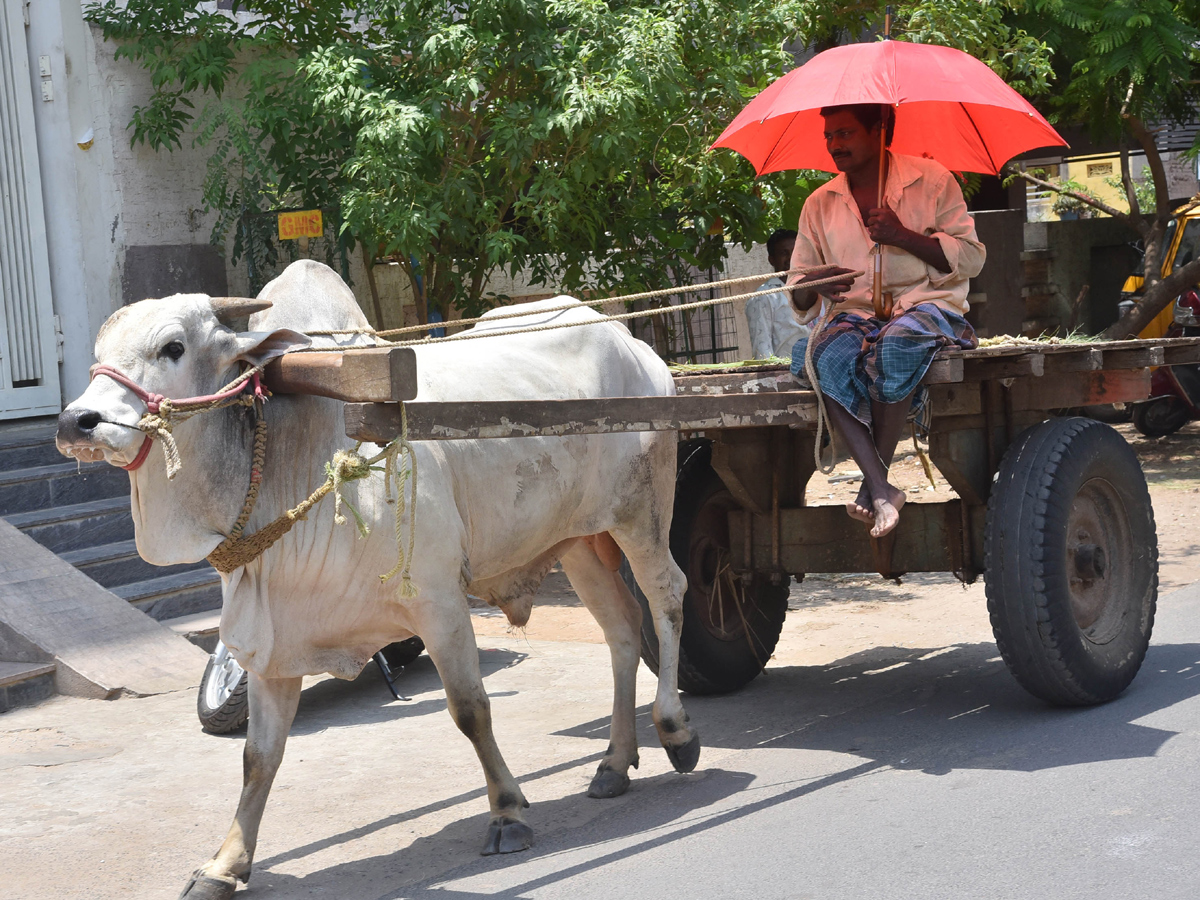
[861,509]
[887,511]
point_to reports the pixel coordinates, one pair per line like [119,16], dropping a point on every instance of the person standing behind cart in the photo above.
[773,326]
[871,368]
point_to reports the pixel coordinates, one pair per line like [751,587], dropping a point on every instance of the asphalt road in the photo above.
[932,778]
[903,772]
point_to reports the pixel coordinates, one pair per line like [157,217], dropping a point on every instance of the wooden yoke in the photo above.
[366,375]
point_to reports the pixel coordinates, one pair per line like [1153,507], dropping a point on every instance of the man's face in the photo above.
[853,148]
[780,257]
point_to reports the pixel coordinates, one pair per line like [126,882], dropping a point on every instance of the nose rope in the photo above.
[163,413]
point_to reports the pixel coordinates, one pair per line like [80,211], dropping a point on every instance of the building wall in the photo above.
[1061,259]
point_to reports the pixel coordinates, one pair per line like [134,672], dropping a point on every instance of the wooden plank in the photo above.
[1003,367]
[1133,357]
[370,374]
[944,370]
[824,539]
[1031,393]
[376,422]
[718,384]
[1181,353]
[1088,360]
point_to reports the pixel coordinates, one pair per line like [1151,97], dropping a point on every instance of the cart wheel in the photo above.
[1160,416]
[1072,562]
[222,704]
[729,630]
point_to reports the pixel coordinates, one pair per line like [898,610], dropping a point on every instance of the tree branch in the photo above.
[1154,301]
[1135,208]
[1162,193]
[1082,198]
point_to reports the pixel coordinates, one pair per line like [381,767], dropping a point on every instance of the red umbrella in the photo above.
[949,107]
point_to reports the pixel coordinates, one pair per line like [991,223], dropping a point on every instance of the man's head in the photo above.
[779,249]
[852,134]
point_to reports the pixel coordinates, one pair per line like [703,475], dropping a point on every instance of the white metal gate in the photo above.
[28,351]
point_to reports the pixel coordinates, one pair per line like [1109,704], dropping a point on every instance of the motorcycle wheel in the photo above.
[222,704]
[1160,416]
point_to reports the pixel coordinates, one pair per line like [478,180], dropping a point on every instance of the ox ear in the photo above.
[230,309]
[260,347]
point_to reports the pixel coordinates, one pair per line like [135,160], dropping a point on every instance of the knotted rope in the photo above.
[347,465]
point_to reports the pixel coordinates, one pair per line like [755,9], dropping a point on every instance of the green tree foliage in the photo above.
[1119,66]
[565,138]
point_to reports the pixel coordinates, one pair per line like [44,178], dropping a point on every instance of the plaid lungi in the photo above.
[896,356]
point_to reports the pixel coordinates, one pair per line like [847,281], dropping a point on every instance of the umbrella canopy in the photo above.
[949,107]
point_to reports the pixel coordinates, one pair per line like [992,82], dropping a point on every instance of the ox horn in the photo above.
[227,309]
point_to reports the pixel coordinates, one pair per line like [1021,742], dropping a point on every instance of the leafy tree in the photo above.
[565,138]
[1122,64]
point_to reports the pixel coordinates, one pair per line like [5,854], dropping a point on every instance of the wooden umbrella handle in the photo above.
[881,301]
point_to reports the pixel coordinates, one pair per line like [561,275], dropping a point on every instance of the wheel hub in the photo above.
[1090,561]
[1099,544]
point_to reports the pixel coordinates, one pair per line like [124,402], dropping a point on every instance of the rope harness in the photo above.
[810,372]
[162,413]
[625,298]
[237,550]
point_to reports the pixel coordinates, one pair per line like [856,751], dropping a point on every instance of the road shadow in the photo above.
[820,591]
[333,703]
[935,710]
[927,710]
[650,805]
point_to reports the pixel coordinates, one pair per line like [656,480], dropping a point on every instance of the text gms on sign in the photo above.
[303,224]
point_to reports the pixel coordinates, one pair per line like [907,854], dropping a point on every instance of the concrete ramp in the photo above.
[103,647]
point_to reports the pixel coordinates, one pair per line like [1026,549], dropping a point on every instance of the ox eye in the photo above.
[174,350]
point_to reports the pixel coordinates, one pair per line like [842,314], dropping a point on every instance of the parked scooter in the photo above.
[1174,390]
[223,705]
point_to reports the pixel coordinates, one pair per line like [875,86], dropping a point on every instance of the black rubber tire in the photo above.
[403,653]
[230,715]
[1160,416]
[709,664]
[1072,633]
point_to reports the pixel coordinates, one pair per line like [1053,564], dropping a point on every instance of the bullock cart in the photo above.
[1052,507]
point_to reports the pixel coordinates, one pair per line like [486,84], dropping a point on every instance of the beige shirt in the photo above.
[927,200]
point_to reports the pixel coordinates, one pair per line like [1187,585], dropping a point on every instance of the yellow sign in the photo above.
[306,223]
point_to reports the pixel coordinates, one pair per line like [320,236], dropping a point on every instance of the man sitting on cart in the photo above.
[871,368]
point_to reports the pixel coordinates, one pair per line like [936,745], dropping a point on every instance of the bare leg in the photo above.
[450,641]
[885,499]
[273,703]
[888,420]
[619,615]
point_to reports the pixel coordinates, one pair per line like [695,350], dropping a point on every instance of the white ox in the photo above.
[492,517]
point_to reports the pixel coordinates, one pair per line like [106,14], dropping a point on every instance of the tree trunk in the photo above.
[1154,301]
[369,263]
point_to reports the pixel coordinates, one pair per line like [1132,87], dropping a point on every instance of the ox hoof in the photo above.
[685,756]
[608,783]
[507,835]
[208,887]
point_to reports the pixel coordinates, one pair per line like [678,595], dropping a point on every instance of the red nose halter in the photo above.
[161,408]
